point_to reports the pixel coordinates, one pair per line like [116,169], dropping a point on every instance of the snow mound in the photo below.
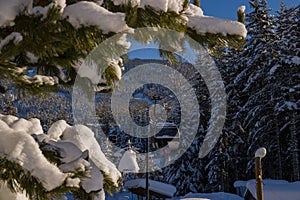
[239,184]
[8,119]
[276,189]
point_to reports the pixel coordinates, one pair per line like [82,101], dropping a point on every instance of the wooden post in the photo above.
[258,176]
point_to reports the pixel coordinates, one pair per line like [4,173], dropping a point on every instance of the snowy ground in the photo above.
[196,196]
[210,196]
[274,189]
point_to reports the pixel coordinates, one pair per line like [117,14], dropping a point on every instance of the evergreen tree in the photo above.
[226,162]
[261,82]
[42,44]
[286,83]
[253,82]
[187,173]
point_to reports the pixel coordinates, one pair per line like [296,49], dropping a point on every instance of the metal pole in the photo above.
[258,176]
[147,169]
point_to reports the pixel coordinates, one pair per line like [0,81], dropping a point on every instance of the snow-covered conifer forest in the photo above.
[45,153]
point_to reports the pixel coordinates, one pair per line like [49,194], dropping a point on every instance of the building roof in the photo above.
[158,189]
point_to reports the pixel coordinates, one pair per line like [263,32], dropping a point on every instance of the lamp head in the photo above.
[261,152]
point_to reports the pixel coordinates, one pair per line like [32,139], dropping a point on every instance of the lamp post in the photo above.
[155,97]
[259,154]
[147,173]
[147,153]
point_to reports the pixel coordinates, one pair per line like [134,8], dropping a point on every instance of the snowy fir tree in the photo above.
[261,92]
[286,80]
[42,45]
[257,114]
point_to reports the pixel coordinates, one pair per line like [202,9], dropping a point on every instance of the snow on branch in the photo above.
[14,36]
[126,2]
[20,147]
[164,5]
[205,24]
[158,5]
[40,80]
[91,14]
[84,139]
[10,9]
[86,13]
[95,23]
[23,142]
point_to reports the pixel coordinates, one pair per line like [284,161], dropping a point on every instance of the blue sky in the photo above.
[227,8]
[217,8]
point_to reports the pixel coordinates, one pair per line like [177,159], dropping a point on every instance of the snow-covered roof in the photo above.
[239,184]
[166,137]
[276,189]
[210,196]
[155,186]
[166,124]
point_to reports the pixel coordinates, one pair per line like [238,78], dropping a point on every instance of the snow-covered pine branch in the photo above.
[66,157]
[56,36]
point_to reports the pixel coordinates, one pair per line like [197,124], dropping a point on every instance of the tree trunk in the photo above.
[278,149]
[294,147]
